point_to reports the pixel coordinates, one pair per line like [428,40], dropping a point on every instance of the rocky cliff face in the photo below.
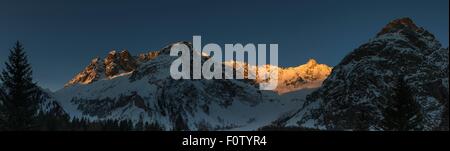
[309,75]
[114,64]
[363,85]
[118,63]
[90,74]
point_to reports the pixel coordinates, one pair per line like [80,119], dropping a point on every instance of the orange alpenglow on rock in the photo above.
[309,75]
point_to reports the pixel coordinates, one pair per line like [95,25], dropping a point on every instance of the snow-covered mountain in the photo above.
[354,95]
[309,75]
[362,86]
[140,88]
[49,104]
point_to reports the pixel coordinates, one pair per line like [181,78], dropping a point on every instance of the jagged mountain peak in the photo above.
[112,52]
[113,64]
[95,60]
[89,74]
[398,25]
[306,76]
[311,62]
[404,29]
[117,63]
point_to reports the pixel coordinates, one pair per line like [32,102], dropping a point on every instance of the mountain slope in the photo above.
[362,86]
[47,103]
[141,89]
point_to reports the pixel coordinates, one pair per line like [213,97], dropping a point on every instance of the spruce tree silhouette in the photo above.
[20,96]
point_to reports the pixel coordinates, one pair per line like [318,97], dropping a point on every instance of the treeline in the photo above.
[48,122]
[286,128]
[21,98]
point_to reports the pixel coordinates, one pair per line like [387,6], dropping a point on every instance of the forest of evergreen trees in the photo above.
[20,98]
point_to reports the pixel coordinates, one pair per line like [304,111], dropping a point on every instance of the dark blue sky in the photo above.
[61,37]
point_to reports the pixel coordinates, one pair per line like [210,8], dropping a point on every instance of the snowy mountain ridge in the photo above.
[140,88]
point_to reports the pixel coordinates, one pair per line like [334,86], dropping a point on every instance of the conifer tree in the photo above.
[19,97]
